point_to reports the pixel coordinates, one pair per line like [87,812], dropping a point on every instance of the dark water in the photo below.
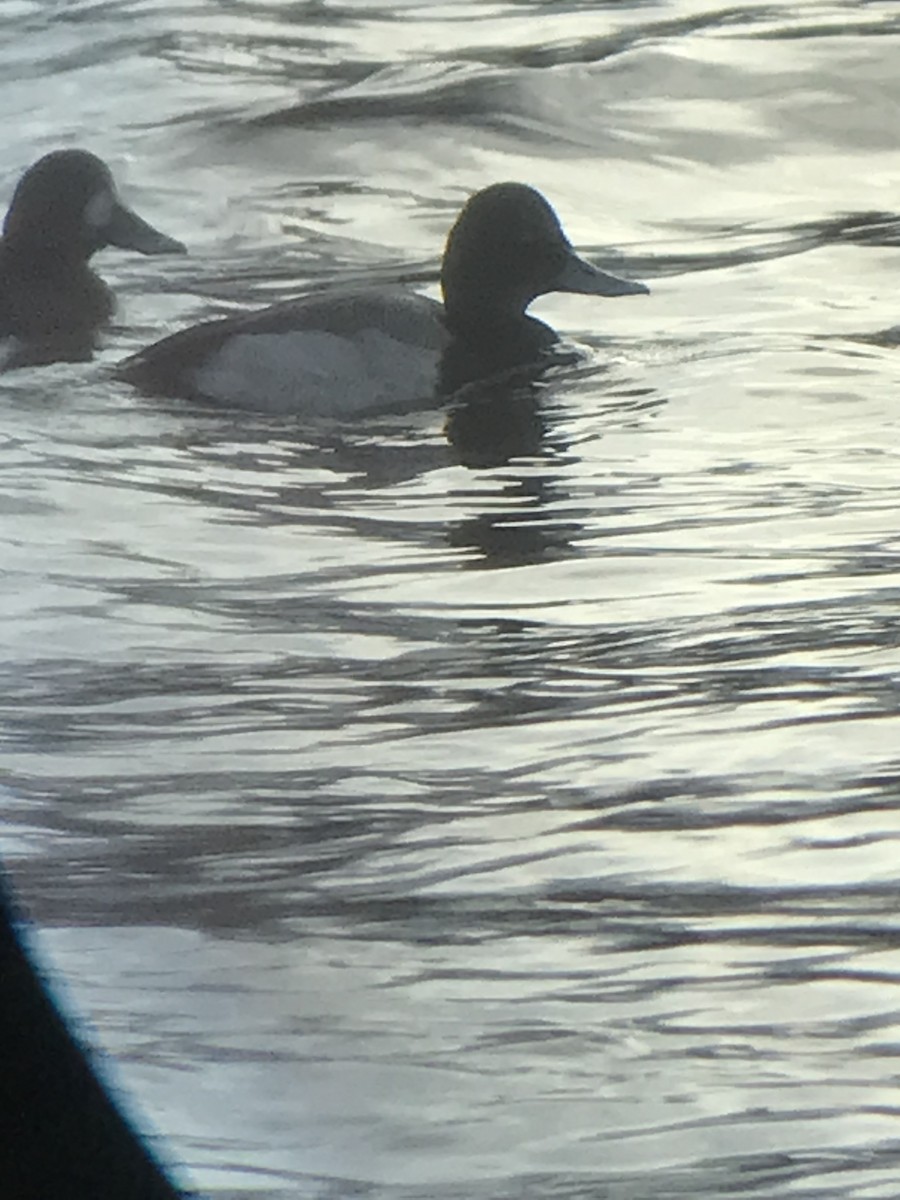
[426,809]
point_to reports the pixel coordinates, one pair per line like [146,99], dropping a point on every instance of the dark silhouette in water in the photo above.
[61,1135]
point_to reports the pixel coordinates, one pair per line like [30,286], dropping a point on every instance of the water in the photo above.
[502,808]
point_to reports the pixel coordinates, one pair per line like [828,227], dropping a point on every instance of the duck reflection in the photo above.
[515,424]
[521,533]
[492,426]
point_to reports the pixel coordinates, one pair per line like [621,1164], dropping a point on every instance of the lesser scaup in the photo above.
[65,208]
[61,1136]
[345,352]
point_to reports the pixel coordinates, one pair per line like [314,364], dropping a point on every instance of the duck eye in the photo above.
[99,209]
[539,250]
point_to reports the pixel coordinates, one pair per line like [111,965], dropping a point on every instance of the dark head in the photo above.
[506,248]
[66,207]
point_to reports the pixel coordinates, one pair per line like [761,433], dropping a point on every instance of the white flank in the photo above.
[319,374]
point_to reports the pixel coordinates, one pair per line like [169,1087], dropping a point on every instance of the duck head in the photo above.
[66,207]
[506,248]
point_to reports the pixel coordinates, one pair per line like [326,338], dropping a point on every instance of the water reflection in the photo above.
[376,868]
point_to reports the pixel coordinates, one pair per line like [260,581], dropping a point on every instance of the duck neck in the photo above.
[483,315]
[33,251]
[490,322]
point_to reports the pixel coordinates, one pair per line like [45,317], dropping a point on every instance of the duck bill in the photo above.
[131,232]
[579,276]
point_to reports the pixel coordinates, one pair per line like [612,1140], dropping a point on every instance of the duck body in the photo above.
[52,304]
[49,313]
[336,354]
[347,352]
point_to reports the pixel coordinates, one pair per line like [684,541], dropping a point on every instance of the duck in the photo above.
[61,1132]
[64,209]
[348,351]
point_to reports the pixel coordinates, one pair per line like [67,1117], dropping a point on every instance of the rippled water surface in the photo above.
[497,803]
